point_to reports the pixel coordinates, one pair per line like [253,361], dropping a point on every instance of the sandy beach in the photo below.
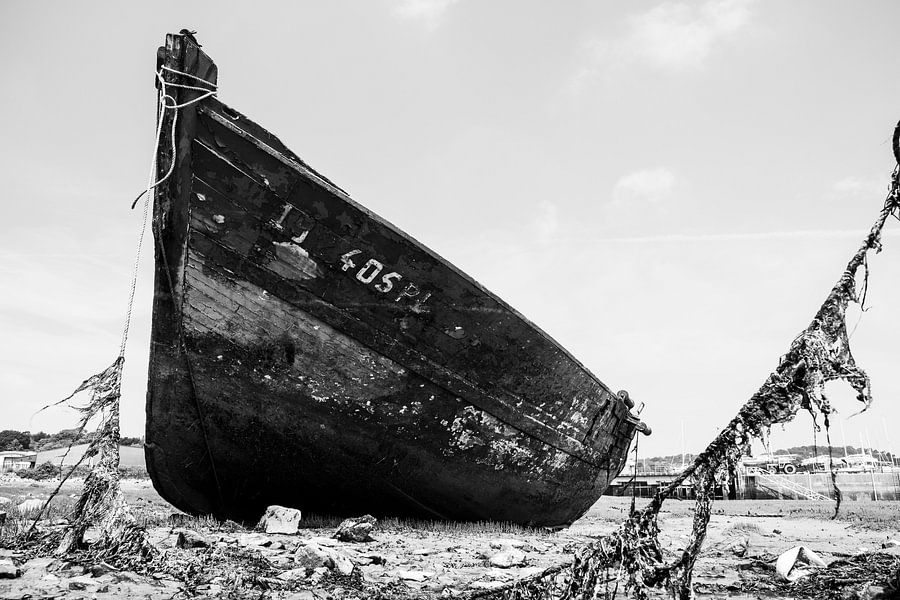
[418,559]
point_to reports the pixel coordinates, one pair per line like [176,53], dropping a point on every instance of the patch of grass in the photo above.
[485,528]
[743,528]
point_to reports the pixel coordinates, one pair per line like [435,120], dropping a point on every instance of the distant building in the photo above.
[14,460]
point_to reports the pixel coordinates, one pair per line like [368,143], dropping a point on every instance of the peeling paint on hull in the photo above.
[307,353]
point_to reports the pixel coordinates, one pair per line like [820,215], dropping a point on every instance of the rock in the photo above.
[317,575]
[4,500]
[39,568]
[280,519]
[507,558]
[486,585]
[739,547]
[32,505]
[887,544]
[324,541]
[414,575]
[342,563]
[356,530]
[188,538]
[8,569]
[2,517]
[373,558]
[292,574]
[253,539]
[304,595]
[83,582]
[507,543]
[100,569]
[310,557]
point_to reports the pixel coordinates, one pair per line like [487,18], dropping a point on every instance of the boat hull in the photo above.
[307,353]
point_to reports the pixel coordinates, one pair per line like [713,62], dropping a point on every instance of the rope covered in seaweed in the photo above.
[819,354]
[101,503]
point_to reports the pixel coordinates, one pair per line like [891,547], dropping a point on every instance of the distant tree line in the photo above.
[11,439]
[802,452]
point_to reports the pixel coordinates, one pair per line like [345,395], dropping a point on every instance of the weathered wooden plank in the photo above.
[431,330]
[402,406]
[333,211]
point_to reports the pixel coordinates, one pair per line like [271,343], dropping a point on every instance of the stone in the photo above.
[253,539]
[739,547]
[317,575]
[356,530]
[4,500]
[507,543]
[507,558]
[373,558]
[32,505]
[887,544]
[486,585]
[292,574]
[324,541]
[188,538]
[414,575]
[8,569]
[281,519]
[342,564]
[310,557]
[100,569]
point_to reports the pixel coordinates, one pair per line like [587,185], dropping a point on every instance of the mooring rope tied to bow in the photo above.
[101,503]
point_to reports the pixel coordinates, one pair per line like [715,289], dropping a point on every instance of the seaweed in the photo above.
[632,554]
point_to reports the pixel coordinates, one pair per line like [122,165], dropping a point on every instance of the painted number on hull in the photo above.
[368,273]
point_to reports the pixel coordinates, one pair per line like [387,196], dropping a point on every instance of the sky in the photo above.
[667,189]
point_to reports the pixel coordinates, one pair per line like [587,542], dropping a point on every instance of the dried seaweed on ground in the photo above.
[857,573]
[819,354]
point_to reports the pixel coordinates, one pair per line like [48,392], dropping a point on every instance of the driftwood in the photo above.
[821,353]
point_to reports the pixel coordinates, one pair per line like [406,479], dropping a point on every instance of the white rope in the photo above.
[183,74]
[163,105]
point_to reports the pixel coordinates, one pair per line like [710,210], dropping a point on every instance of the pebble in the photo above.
[310,557]
[253,539]
[342,564]
[188,538]
[507,558]
[292,574]
[8,569]
[414,575]
[486,585]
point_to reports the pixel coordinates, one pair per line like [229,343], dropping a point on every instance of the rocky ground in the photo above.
[416,559]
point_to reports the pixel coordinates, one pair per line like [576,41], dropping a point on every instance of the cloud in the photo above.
[428,12]
[856,187]
[651,186]
[801,235]
[672,36]
[546,223]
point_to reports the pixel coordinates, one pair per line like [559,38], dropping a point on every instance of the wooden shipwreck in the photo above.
[307,353]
